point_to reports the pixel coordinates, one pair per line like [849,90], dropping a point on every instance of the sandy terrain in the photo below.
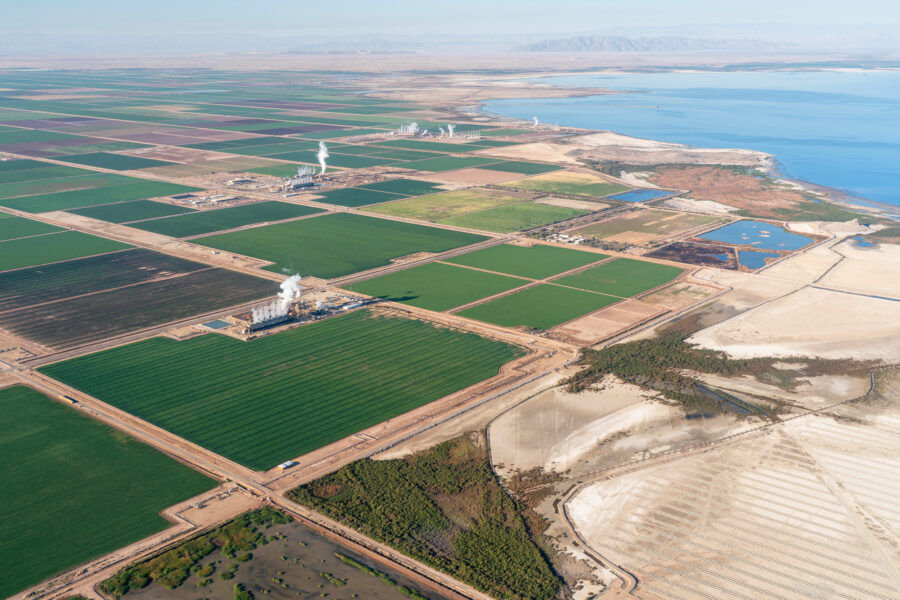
[811,322]
[577,434]
[604,323]
[678,295]
[474,419]
[804,512]
[810,394]
[873,271]
[609,146]
[701,206]
[638,178]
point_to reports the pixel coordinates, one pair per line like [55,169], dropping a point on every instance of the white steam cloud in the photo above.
[290,290]
[322,155]
[450,128]
[535,121]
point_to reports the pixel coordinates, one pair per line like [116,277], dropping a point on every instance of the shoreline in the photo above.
[771,166]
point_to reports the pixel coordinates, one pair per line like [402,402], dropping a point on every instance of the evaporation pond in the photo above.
[639,195]
[759,234]
[755,260]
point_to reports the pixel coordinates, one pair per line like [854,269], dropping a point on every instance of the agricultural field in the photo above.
[18,227]
[535,262]
[567,182]
[61,184]
[436,286]
[436,207]
[15,171]
[75,489]
[132,189]
[516,217]
[539,307]
[208,221]
[403,187]
[114,162]
[525,168]
[336,244]
[448,163]
[80,301]
[355,197]
[642,226]
[135,210]
[52,247]
[622,277]
[277,397]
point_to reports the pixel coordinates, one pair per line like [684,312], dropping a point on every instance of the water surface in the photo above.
[840,129]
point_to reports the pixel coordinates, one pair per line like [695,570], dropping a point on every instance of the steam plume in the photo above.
[322,155]
[450,128]
[290,290]
[535,120]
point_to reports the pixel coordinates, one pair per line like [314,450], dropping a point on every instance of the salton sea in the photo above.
[839,129]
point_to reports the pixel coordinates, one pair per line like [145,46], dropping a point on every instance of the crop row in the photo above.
[277,397]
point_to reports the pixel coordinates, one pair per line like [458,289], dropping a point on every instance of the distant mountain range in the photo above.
[618,43]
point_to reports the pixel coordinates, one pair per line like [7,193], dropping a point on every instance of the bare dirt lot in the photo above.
[811,322]
[597,326]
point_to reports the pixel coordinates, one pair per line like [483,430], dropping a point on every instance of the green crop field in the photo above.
[18,227]
[403,187]
[61,184]
[435,207]
[350,161]
[15,171]
[436,286]
[116,162]
[407,154]
[53,247]
[538,307]
[277,397]
[622,277]
[12,135]
[448,163]
[135,210]
[535,262]
[525,168]
[75,489]
[337,244]
[517,217]
[208,221]
[433,146]
[567,182]
[136,189]
[355,197]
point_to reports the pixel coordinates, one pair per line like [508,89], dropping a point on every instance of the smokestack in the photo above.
[322,155]
[450,128]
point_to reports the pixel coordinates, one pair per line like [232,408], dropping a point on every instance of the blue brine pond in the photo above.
[758,234]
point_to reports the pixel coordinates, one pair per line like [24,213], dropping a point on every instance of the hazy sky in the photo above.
[341,17]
